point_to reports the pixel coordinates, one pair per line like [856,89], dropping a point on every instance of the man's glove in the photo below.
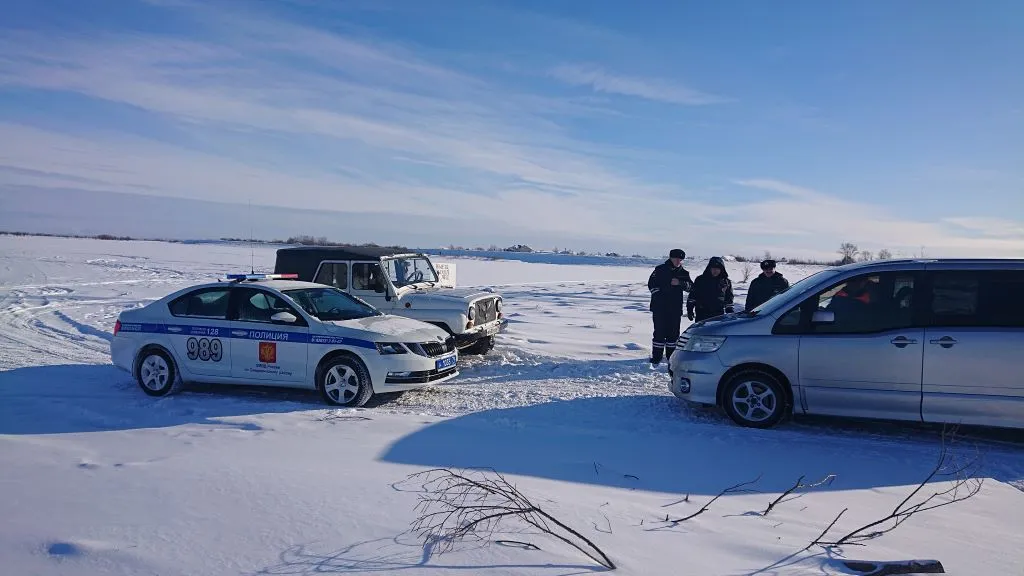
[729,309]
[689,315]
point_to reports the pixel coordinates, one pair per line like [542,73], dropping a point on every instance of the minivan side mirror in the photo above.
[823,317]
[283,318]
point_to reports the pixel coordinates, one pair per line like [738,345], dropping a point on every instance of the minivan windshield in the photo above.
[327,304]
[409,270]
[795,290]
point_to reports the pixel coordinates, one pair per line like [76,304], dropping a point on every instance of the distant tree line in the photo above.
[848,252]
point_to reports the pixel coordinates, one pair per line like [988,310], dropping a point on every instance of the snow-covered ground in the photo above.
[97,478]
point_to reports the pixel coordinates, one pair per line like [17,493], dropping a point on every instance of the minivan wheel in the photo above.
[754,399]
[345,382]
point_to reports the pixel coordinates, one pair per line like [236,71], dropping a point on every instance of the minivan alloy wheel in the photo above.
[755,398]
[754,401]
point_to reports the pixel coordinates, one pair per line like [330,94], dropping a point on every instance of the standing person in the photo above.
[712,292]
[668,284]
[766,286]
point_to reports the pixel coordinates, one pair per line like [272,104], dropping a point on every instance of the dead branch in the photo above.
[457,505]
[965,484]
[798,486]
[826,530]
[730,490]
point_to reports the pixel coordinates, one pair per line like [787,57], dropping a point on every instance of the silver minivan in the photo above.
[922,340]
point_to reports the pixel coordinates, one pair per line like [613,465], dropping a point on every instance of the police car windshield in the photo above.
[329,304]
[408,270]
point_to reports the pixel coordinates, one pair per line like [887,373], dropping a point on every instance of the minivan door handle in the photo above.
[902,341]
[945,341]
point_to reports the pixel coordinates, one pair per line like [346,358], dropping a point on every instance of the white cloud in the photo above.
[825,221]
[655,89]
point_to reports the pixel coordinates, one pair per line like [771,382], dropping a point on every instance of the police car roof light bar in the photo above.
[252,277]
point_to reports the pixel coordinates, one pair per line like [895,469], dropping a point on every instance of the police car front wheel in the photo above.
[345,382]
[155,372]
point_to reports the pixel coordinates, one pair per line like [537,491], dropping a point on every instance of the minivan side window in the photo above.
[866,304]
[977,298]
[333,274]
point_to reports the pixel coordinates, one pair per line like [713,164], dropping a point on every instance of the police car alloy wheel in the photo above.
[155,372]
[345,382]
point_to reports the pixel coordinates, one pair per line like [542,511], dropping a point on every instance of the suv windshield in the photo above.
[408,270]
[329,304]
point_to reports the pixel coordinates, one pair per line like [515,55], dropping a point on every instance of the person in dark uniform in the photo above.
[766,286]
[668,284]
[711,294]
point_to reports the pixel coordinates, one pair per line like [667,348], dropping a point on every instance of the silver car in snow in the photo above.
[922,340]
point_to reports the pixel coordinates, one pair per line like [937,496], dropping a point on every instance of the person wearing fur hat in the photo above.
[766,286]
[668,283]
[711,294]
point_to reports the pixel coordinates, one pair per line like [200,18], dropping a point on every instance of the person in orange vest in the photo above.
[852,304]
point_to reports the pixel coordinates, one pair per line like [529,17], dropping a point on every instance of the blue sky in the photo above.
[720,127]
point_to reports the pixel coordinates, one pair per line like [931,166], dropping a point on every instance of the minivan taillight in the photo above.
[117,327]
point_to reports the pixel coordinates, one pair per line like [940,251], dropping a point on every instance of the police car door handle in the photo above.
[173,329]
[238,332]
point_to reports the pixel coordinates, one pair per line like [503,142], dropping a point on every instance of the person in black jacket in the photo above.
[668,284]
[711,294]
[766,286]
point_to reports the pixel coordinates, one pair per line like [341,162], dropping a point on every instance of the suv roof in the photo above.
[342,252]
[304,260]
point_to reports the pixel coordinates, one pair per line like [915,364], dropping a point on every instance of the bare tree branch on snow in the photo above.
[799,485]
[965,484]
[736,489]
[457,505]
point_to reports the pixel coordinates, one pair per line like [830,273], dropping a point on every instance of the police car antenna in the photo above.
[252,247]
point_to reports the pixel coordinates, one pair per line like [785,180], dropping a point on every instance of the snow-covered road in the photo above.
[99,478]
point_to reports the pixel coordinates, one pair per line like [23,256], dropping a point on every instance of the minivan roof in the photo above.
[1013,262]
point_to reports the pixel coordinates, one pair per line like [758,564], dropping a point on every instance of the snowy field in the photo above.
[98,478]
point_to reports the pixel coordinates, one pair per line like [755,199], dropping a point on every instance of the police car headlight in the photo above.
[497,305]
[704,343]
[472,313]
[391,348]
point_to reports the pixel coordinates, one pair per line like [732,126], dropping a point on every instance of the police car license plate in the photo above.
[446,362]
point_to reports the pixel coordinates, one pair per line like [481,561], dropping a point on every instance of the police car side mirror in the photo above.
[283,318]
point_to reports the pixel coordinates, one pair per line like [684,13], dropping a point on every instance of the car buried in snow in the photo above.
[273,330]
[404,284]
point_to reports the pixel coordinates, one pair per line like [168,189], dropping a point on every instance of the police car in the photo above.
[273,330]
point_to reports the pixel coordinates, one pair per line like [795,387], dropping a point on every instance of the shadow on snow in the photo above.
[621,442]
[100,397]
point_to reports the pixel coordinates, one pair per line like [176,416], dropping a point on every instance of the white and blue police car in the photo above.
[268,329]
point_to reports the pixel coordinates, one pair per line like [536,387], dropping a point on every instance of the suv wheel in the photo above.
[755,399]
[345,382]
[481,346]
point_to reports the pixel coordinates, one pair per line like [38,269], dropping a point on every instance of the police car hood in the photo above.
[388,328]
[426,295]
